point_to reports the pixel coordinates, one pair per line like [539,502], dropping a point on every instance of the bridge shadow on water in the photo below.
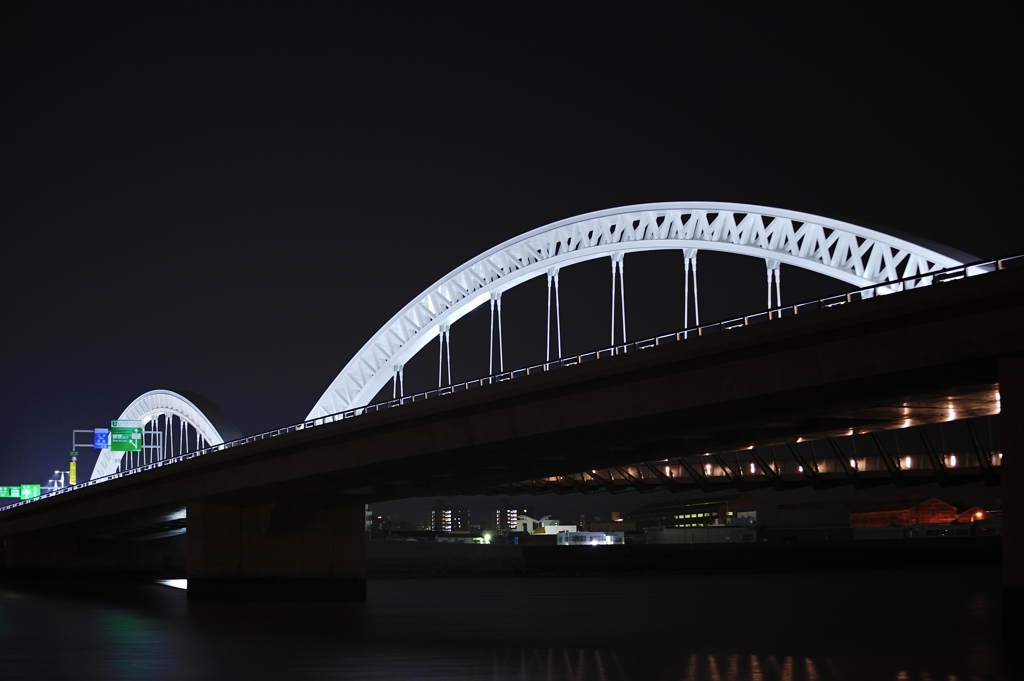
[939,624]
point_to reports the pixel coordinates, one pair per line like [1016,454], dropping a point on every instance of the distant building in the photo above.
[615,526]
[738,518]
[822,520]
[698,512]
[385,523]
[709,534]
[507,518]
[546,525]
[971,514]
[903,511]
[591,538]
[449,518]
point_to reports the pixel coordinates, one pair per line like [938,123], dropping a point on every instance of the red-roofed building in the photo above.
[905,511]
[972,514]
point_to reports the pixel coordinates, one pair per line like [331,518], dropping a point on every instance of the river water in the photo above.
[929,625]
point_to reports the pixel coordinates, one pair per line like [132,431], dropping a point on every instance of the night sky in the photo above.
[232,201]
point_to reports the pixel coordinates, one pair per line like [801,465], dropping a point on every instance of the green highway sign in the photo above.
[20,491]
[126,436]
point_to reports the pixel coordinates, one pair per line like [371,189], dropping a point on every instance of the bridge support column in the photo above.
[1011,418]
[276,551]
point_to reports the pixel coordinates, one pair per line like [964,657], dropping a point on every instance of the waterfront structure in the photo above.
[698,512]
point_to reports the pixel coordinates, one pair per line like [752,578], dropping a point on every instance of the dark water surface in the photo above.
[928,625]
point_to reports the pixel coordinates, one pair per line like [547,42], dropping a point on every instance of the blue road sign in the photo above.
[101,438]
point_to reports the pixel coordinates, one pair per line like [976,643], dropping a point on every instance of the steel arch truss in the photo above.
[856,255]
[149,406]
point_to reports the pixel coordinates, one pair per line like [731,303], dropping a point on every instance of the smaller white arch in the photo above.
[149,405]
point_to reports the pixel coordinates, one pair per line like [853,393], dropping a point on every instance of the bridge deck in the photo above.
[924,356]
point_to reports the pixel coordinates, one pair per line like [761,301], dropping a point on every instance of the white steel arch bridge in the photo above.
[857,255]
[171,420]
[850,253]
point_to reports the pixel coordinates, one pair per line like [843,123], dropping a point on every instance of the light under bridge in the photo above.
[859,364]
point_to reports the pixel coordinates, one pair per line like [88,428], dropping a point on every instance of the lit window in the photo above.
[952,460]
[906,462]
[752,468]
[800,468]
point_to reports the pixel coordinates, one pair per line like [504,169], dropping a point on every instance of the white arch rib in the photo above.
[148,406]
[857,255]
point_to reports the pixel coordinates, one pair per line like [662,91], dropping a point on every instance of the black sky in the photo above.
[233,200]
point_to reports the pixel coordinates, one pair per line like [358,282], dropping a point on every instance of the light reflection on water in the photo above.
[581,664]
[938,625]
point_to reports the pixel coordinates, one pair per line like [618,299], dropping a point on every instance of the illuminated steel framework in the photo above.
[857,255]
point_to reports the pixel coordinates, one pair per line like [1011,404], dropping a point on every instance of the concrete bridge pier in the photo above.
[276,551]
[1011,393]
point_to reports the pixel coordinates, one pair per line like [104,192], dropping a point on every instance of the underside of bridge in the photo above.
[910,443]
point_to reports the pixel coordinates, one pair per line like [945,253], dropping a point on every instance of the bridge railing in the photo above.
[925,279]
